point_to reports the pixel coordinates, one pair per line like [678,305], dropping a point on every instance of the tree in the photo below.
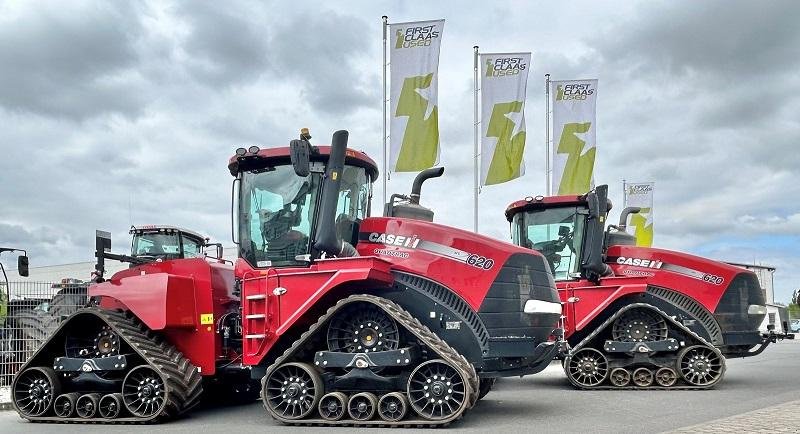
[794,307]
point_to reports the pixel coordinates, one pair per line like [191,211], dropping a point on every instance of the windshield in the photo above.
[156,244]
[557,233]
[278,210]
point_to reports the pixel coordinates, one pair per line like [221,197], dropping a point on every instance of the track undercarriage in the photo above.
[107,367]
[367,362]
[641,347]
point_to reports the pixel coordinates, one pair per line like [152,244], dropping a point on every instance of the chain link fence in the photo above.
[29,312]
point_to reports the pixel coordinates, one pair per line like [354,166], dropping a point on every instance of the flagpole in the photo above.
[383,101]
[475,134]
[547,133]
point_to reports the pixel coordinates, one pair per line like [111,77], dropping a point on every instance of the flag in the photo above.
[574,126]
[503,81]
[414,64]
[641,225]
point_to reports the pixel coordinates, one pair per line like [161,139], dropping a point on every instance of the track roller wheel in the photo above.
[64,405]
[34,391]
[333,406]
[86,406]
[110,405]
[143,392]
[292,390]
[362,406]
[620,377]
[700,365]
[666,377]
[363,328]
[588,367]
[436,390]
[392,407]
[639,325]
[643,377]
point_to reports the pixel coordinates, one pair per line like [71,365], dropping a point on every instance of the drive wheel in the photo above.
[588,367]
[639,325]
[666,377]
[363,328]
[620,377]
[333,406]
[436,390]
[700,365]
[392,407]
[34,391]
[643,377]
[292,390]
[362,406]
[144,392]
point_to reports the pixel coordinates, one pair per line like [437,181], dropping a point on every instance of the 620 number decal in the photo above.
[480,262]
[711,278]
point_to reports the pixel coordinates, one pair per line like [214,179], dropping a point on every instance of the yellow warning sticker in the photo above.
[206,318]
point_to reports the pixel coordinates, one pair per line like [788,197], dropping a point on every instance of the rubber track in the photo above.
[183,381]
[680,385]
[411,324]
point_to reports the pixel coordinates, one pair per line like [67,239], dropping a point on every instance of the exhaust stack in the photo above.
[326,239]
[411,209]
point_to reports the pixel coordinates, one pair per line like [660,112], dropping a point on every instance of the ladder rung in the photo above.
[255,336]
[256,316]
[257,297]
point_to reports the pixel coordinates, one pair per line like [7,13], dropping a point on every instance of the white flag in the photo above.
[504,78]
[574,126]
[414,126]
[640,194]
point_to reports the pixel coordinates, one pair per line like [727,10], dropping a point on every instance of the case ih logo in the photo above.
[411,37]
[637,262]
[505,66]
[394,240]
[573,91]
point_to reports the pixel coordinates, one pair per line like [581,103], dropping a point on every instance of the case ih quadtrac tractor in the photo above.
[638,317]
[343,318]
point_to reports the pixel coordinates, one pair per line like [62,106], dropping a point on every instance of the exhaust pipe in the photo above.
[433,172]
[623,217]
[327,241]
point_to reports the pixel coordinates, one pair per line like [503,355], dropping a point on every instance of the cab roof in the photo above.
[280,156]
[146,229]
[542,202]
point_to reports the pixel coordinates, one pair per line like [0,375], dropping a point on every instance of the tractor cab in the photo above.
[569,231]
[151,242]
[284,219]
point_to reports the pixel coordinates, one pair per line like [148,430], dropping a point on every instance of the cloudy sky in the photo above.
[113,113]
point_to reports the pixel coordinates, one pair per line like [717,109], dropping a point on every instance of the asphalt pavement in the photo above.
[755,392]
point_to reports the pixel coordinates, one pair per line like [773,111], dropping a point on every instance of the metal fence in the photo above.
[29,312]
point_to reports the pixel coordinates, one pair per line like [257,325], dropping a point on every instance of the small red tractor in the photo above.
[339,318]
[638,317]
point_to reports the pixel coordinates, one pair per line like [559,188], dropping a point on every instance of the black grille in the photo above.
[523,277]
[731,313]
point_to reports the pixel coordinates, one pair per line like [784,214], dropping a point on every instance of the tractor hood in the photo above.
[730,290]
[469,263]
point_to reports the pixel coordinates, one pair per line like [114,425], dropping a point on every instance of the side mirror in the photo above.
[22,266]
[299,152]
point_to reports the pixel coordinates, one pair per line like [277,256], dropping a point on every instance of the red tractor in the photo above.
[638,317]
[340,318]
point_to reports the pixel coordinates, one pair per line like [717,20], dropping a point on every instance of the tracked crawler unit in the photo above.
[637,317]
[333,316]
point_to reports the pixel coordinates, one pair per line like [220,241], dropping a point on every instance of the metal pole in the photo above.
[383,103]
[547,133]
[475,133]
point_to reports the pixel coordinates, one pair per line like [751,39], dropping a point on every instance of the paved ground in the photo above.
[759,393]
